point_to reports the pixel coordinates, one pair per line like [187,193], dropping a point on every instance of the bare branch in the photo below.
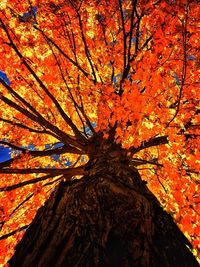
[13,232]
[24,201]
[20,125]
[79,136]
[60,135]
[158,178]
[184,65]
[137,162]
[132,26]
[88,55]
[68,171]
[32,181]
[123,30]
[63,53]
[68,88]
[57,151]
[152,142]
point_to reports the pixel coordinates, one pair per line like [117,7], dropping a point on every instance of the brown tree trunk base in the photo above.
[103,220]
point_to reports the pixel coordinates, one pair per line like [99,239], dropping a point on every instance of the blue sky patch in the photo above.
[4,77]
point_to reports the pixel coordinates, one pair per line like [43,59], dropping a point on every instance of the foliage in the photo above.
[77,68]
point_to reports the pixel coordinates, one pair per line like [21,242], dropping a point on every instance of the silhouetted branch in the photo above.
[63,53]
[87,52]
[13,232]
[184,66]
[137,162]
[20,125]
[161,140]
[68,171]
[61,111]
[28,182]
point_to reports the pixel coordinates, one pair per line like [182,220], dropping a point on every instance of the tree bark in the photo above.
[108,218]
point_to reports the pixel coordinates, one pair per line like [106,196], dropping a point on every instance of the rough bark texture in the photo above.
[109,218]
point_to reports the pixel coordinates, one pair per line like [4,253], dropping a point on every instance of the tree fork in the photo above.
[108,218]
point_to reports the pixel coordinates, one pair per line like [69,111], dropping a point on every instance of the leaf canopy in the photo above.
[73,69]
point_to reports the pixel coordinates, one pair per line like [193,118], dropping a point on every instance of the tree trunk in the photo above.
[109,218]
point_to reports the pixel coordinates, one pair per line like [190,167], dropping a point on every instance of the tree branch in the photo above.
[63,53]
[32,181]
[161,140]
[69,122]
[20,125]
[57,151]
[88,55]
[137,162]
[60,135]
[13,232]
[68,171]
[184,66]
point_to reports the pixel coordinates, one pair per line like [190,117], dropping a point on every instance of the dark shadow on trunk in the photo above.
[109,218]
